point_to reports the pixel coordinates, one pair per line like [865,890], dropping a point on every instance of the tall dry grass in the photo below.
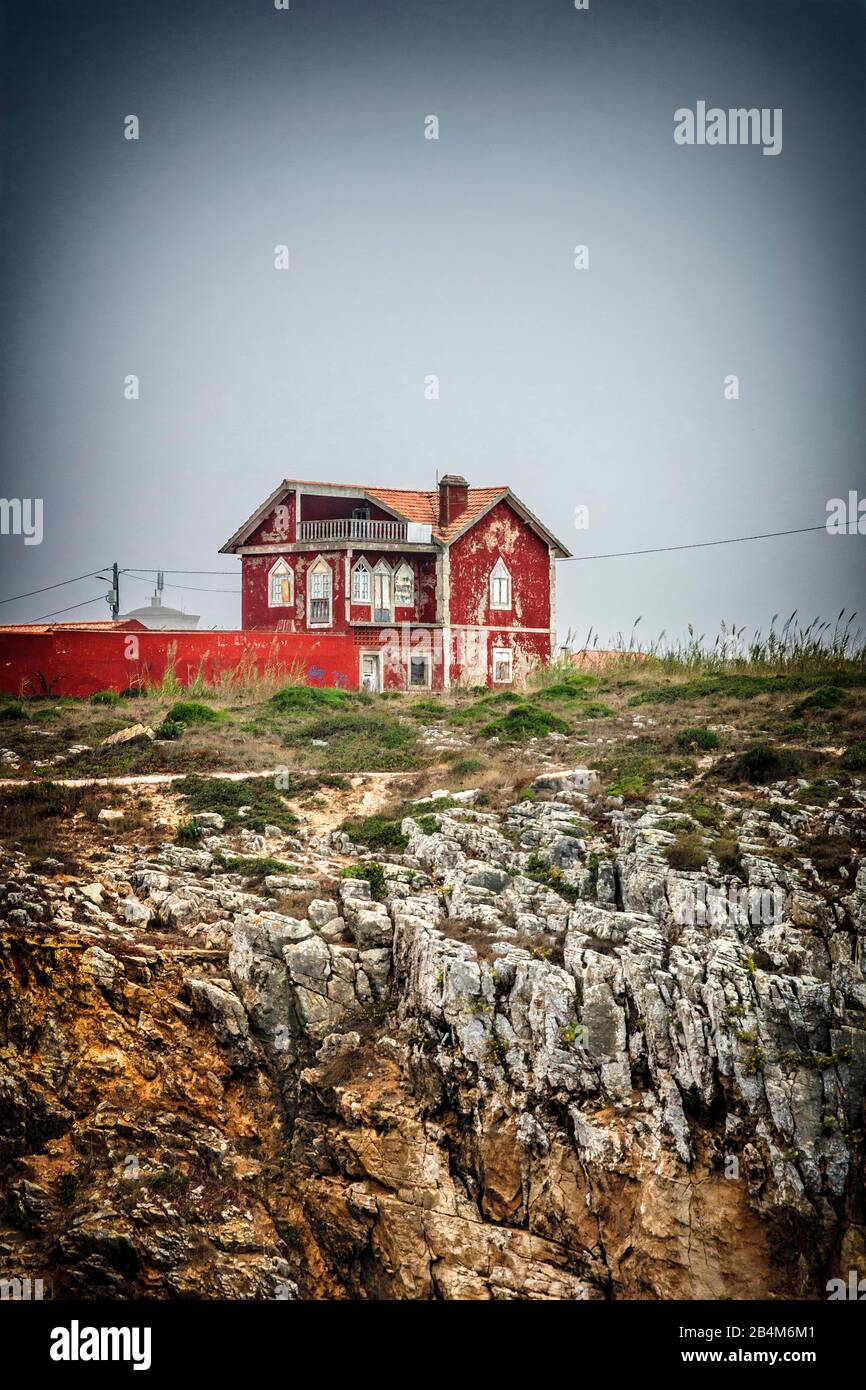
[819,647]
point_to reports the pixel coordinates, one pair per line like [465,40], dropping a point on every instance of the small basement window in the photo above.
[281,586]
[502,667]
[419,671]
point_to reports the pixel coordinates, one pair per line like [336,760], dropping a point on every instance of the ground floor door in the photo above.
[371,671]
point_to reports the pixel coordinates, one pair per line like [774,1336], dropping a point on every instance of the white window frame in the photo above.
[382,569]
[361,567]
[404,569]
[281,567]
[497,574]
[427,658]
[320,566]
[499,654]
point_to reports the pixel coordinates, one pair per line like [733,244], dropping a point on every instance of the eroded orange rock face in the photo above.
[202,1096]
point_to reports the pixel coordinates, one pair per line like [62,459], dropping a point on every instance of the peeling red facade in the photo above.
[454,585]
[82,658]
[388,588]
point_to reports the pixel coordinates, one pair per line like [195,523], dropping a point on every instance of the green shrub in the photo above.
[300,699]
[854,757]
[727,852]
[105,697]
[361,742]
[551,877]
[427,709]
[191,712]
[569,688]
[189,832]
[697,738]
[825,697]
[704,814]
[485,707]
[260,794]
[687,853]
[466,767]
[764,763]
[632,787]
[818,793]
[11,711]
[170,729]
[253,868]
[523,722]
[376,832]
[374,875]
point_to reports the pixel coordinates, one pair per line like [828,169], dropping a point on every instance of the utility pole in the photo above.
[114,599]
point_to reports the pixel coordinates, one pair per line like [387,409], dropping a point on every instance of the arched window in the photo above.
[382,593]
[281,585]
[404,586]
[319,584]
[361,582]
[500,586]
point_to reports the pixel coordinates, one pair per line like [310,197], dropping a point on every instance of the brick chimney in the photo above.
[453,498]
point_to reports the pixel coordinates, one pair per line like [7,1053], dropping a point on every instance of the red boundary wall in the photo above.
[78,662]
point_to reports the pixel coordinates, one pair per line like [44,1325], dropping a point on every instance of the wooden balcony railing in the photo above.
[349,528]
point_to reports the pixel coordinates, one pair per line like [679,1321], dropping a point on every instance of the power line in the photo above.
[89,575]
[194,588]
[224,574]
[695,545]
[56,614]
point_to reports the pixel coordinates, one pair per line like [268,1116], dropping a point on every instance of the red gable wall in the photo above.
[501,533]
[278,525]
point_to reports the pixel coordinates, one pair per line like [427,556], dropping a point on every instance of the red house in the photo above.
[432,588]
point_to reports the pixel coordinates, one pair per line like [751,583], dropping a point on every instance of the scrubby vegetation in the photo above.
[44,819]
[373,873]
[105,697]
[253,801]
[688,852]
[697,738]
[763,763]
[854,757]
[192,712]
[376,832]
[525,721]
[355,742]
[304,699]
[787,704]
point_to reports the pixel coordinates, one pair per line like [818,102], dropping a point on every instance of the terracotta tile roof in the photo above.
[424,506]
[122,625]
[412,504]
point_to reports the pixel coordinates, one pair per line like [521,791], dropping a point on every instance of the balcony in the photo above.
[351,528]
[320,611]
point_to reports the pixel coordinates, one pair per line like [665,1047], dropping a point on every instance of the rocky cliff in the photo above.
[524,1057]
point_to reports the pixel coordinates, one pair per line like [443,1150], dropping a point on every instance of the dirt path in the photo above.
[155,779]
[365,795]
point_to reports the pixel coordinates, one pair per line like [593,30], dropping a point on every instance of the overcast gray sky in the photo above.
[412,257]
